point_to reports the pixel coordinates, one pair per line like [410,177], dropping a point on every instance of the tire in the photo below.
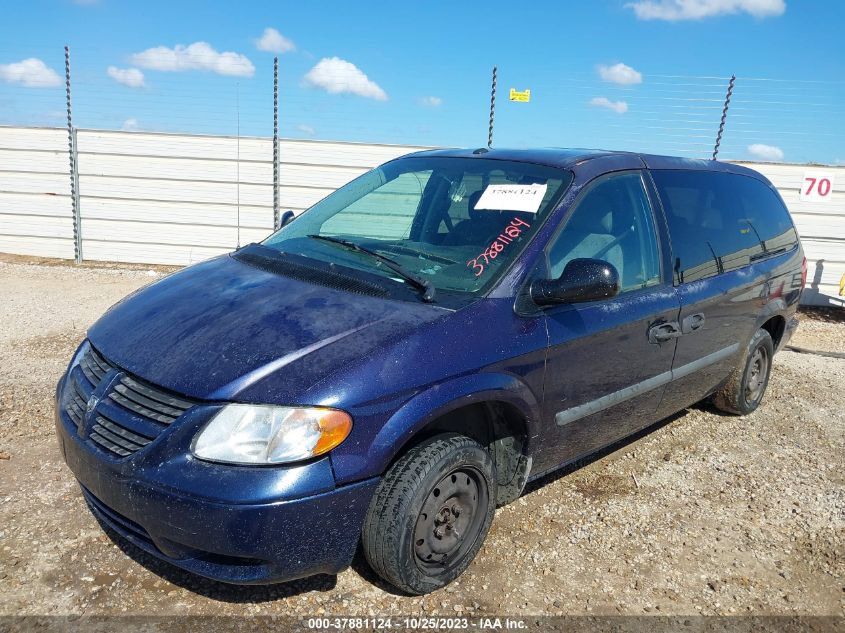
[744,390]
[430,513]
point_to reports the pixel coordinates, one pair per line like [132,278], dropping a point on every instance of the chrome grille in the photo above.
[94,366]
[76,404]
[148,401]
[129,415]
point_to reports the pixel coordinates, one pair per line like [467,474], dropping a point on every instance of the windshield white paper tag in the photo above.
[512,198]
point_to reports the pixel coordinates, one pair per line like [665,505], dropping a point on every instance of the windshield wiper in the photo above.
[423,284]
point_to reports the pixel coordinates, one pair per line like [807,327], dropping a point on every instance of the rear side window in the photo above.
[719,222]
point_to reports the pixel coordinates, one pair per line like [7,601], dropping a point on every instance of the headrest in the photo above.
[594,215]
[471,202]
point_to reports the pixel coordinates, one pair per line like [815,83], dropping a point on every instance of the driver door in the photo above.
[604,377]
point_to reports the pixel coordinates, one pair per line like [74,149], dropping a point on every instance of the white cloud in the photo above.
[620,74]
[619,107]
[274,42]
[336,76]
[765,152]
[32,73]
[197,56]
[131,77]
[431,102]
[130,125]
[306,129]
[674,10]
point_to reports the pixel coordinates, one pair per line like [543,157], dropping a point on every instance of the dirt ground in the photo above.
[706,514]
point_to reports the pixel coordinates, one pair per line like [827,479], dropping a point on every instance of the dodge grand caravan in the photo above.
[403,357]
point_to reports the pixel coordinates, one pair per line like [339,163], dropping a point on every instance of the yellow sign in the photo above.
[523,96]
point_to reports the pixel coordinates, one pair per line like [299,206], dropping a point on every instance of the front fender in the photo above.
[431,404]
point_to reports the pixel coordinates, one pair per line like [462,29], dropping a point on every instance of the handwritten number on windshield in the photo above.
[512,231]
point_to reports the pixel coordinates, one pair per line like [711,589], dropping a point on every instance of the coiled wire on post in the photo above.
[724,116]
[492,110]
[275,143]
[71,146]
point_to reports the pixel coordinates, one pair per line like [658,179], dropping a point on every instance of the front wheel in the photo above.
[431,513]
[744,390]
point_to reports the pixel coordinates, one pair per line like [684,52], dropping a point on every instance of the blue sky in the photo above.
[643,75]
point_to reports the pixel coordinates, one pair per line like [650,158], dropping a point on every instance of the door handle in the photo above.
[692,323]
[663,332]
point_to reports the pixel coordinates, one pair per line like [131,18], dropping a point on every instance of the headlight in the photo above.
[263,434]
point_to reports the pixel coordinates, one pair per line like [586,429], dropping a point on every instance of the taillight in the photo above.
[804,273]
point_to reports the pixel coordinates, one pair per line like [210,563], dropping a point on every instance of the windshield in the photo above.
[454,223]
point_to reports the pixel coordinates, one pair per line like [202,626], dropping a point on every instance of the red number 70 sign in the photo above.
[817,186]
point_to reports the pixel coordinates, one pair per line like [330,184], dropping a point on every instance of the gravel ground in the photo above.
[706,514]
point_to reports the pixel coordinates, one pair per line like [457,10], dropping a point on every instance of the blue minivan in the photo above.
[393,364]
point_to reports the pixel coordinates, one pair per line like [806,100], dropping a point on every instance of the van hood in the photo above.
[218,330]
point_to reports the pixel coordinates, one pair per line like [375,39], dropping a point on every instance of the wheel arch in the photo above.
[773,320]
[498,410]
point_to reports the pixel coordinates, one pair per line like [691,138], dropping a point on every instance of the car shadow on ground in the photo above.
[619,445]
[220,591]
[361,567]
[824,314]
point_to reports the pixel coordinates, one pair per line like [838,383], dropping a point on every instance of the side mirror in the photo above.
[285,218]
[583,279]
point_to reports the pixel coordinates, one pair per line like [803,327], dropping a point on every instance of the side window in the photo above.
[720,222]
[387,213]
[613,222]
[771,220]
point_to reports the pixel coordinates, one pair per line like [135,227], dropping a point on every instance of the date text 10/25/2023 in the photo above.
[510,233]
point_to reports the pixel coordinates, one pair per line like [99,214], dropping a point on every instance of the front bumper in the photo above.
[243,525]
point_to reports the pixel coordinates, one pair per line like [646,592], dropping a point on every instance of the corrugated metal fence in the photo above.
[178,199]
[161,198]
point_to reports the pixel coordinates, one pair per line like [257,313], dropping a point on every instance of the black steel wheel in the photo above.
[450,521]
[431,513]
[757,376]
[743,392]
